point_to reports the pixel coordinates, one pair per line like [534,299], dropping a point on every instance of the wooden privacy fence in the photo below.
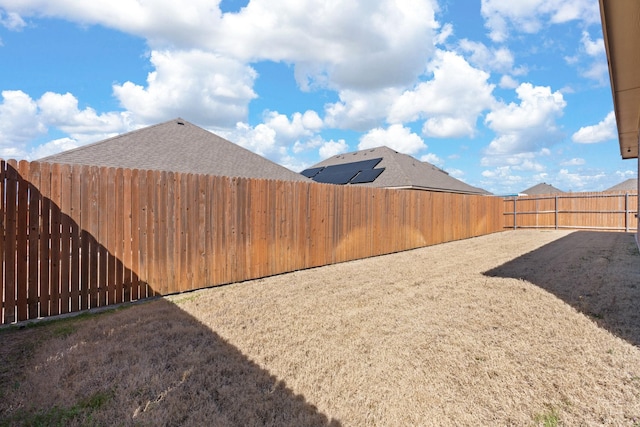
[613,211]
[77,237]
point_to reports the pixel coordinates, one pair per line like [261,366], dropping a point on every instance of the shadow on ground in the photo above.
[598,273]
[150,364]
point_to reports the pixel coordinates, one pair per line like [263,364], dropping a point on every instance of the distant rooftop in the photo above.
[542,188]
[176,146]
[386,168]
[628,185]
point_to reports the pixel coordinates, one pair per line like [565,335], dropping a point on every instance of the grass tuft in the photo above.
[551,418]
[60,416]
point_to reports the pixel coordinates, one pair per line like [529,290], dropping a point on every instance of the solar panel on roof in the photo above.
[342,173]
[311,172]
[353,166]
[366,176]
[340,177]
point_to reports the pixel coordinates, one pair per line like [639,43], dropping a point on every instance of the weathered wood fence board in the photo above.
[78,237]
[613,211]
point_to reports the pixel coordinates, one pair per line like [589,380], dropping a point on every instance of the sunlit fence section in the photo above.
[612,211]
[79,237]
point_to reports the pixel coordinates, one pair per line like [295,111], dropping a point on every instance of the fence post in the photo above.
[556,211]
[515,212]
[626,211]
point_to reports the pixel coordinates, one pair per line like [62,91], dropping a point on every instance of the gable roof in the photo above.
[542,188]
[176,146]
[628,185]
[403,171]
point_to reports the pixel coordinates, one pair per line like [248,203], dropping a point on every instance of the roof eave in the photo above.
[620,30]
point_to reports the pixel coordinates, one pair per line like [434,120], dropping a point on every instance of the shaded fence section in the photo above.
[78,237]
[612,211]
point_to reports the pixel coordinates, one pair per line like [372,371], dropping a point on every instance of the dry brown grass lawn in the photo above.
[517,328]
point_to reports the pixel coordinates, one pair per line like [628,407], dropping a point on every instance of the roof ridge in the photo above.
[115,137]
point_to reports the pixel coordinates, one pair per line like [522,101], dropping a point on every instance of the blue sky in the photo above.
[501,94]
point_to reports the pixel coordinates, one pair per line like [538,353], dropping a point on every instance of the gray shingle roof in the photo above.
[628,185]
[542,188]
[403,171]
[176,146]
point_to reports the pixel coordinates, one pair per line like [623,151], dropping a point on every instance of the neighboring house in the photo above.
[542,188]
[386,168]
[176,146]
[628,185]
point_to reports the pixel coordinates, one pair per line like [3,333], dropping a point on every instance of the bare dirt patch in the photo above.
[516,328]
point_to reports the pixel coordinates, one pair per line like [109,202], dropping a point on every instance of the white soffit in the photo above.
[621,30]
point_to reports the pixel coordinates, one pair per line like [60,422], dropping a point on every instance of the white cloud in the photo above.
[456,173]
[451,102]
[433,159]
[529,16]
[162,22]
[200,86]
[528,126]
[23,119]
[502,180]
[577,181]
[494,59]
[359,110]
[358,45]
[576,161]
[508,82]
[445,32]
[593,48]
[597,69]
[605,130]
[627,174]
[11,21]
[300,125]
[61,111]
[19,120]
[278,136]
[333,148]
[396,137]
[52,147]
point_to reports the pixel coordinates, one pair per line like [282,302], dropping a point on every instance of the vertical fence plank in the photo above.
[94,245]
[179,253]
[127,230]
[3,235]
[65,238]
[45,238]
[108,214]
[143,259]
[170,231]
[164,224]
[201,245]
[84,237]
[209,230]
[22,267]
[10,242]
[135,235]
[193,231]
[119,234]
[37,300]
[152,225]
[54,194]
[75,232]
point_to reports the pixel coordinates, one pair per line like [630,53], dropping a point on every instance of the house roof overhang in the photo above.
[621,30]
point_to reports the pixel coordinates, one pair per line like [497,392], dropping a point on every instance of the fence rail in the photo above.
[78,237]
[613,211]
